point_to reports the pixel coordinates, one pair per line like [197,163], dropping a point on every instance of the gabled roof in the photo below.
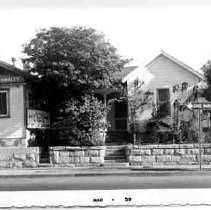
[188,68]
[15,70]
[180,63]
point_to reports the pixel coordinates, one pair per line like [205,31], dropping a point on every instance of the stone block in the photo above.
[64,160]
[160,164]
[145,152]
[97,160]
[188,158]
[145,159]
[128,152]
[134,159]
[21,157]
[192,151]
[79,153]
[169,151]
[31,157]
[93,153]
[29,164]
[55,157]
[64,153]
[157,151]
[163,158]
[17,164]
[175,158]
[5,164]
[102,153]
[179,152]
[135,152]
[84,159]
[74,159]
[5,157]
[207,151]
[71,153]
[206,158]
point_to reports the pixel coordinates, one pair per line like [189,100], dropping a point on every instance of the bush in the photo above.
[83,125]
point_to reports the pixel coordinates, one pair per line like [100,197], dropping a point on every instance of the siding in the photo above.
[167,73]
[162,73]
[13,127]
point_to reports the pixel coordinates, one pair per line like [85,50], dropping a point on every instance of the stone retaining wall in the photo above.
[77,156]
[13,157]
[167,155]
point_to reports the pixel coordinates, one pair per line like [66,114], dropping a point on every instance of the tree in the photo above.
[207,73]
[137,101]
[69,64]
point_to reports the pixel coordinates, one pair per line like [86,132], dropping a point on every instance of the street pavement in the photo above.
[105,182]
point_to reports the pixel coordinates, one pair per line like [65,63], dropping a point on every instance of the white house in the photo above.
[159,75]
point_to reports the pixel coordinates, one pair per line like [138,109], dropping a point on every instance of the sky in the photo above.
[139,29]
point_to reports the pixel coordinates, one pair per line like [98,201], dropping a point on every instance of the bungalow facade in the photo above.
[14,102]
[159,76]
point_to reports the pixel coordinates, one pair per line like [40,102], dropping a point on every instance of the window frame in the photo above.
[7,115]
[169,111]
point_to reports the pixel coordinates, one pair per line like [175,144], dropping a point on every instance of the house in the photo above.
[160,76]
[14,101]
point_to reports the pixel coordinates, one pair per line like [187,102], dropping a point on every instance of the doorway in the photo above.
[121,115]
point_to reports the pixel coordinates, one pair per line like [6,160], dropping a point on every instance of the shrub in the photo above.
[83,125]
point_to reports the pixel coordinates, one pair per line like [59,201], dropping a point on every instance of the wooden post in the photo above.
[199,139]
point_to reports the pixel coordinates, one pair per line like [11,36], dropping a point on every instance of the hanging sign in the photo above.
[10,79]
[38,119]
[201,105]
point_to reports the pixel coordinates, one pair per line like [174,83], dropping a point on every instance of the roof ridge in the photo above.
[190,69]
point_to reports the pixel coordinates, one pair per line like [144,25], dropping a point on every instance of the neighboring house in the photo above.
[160,75]
[14,101]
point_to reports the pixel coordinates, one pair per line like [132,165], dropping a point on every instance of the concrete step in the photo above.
[114,157]
[116,161]
[115,154]
[45,165]
[116,165]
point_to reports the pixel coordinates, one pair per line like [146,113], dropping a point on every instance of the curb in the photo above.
[111,173]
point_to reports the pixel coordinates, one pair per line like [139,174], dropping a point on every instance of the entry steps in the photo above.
[115,157]
[120,138]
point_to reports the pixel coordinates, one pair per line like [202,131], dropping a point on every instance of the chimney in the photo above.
[26,65]
[13,61]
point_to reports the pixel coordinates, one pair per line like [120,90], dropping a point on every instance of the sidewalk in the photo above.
[102,171]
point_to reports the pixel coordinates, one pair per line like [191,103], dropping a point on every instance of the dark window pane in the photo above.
[164,102]
[121,109]
[3,103]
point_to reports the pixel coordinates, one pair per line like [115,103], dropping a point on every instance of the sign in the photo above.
[38,119]
[10,79]
[201,105]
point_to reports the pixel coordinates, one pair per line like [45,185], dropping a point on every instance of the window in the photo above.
[163,102]
[4,103]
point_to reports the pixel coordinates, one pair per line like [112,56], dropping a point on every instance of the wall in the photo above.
[77,156]
[12,132]
[167,155]
[19,157]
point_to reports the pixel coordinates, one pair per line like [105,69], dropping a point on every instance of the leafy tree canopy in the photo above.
[207,73]
[70,63]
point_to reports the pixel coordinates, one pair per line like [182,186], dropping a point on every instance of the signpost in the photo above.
[200,106]
[38,119]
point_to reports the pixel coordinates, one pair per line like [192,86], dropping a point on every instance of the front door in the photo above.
[121,115]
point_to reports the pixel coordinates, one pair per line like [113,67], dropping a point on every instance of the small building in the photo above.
[14,101]
[159,77]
